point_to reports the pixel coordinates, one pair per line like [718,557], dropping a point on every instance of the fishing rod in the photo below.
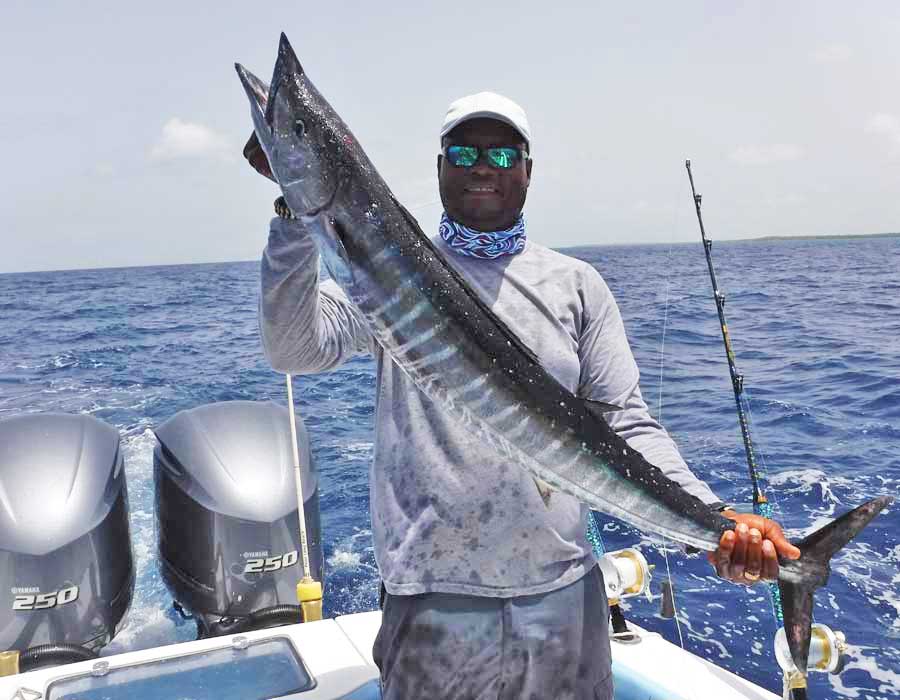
[309,591]
[761,505]
[827,646]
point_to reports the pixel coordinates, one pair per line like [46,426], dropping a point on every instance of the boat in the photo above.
[331,659]
[229,551]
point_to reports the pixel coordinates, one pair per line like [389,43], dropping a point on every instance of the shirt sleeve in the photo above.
[306,327]
[609,373]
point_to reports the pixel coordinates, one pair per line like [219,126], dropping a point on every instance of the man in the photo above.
[492,588]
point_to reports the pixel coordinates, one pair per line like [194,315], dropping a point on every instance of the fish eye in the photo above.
[299,128]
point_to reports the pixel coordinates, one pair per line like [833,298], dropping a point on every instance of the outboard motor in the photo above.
[226,505]
[66,567]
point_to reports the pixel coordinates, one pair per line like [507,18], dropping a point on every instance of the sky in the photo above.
[122,123]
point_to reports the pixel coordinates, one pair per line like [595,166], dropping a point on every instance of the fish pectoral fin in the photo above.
[334,254]
[544,489]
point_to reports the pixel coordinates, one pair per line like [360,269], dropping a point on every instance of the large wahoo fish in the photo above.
[455,349]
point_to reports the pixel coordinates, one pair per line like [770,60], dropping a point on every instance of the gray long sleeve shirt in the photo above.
[448,514]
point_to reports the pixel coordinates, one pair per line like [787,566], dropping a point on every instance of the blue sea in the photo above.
[815,327]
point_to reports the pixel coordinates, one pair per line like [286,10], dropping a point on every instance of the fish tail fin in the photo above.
[811,571]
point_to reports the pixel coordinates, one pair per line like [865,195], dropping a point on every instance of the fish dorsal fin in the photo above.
[507,332]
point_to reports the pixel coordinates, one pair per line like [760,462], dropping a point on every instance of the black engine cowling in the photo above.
[226,505]
[66,566]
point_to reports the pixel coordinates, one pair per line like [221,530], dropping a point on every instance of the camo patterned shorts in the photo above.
[451,647]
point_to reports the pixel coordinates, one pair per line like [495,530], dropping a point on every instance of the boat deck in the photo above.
[330,660]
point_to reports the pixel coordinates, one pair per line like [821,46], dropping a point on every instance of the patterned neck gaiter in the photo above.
[483,244]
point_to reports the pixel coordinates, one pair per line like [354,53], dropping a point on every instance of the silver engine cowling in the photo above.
[226,505]
[66,565]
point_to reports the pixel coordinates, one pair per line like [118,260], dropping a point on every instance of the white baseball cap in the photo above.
[490,105]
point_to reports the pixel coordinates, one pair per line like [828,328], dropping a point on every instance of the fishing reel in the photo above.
[626,574]
[826,650]
[826,654]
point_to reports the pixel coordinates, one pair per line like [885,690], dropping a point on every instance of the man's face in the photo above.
[483,197]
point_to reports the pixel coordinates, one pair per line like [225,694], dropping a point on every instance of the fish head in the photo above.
[297,131]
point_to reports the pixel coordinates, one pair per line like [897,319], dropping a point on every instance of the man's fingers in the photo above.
[754,549]
[770,530]
[769,561]
[722,556]
[282,209]
[753,567]
[782,546]
[739,556]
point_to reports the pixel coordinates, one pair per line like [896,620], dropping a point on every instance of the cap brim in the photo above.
[484,114]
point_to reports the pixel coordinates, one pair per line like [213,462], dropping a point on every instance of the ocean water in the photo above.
[816,330]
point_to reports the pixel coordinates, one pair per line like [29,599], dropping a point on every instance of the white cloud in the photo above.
[764,155]
[182,139]
[886,125]
[832,53]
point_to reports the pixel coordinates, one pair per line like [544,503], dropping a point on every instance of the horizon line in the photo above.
[806,237]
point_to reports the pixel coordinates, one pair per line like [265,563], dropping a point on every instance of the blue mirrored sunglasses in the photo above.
[503,157]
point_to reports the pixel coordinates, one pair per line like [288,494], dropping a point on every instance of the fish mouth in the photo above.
[262,100]
[287,70]
[257,91]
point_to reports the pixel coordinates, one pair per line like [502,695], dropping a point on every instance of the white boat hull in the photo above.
[337,654]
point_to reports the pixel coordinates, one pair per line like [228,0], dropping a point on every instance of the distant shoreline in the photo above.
[758,239]
[816,237]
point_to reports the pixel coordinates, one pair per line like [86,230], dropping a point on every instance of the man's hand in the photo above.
[751,551]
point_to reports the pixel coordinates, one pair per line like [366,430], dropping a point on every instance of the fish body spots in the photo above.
[485,512]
